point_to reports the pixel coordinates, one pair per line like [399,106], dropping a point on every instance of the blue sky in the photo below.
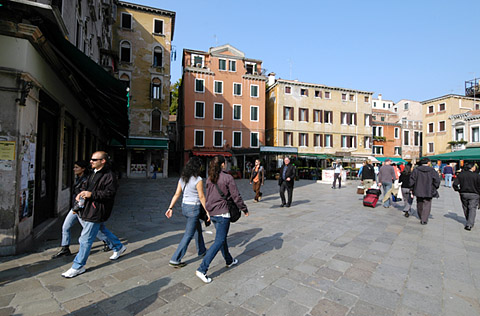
[407,49]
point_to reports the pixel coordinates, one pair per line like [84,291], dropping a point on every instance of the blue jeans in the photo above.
[386,187]
[448,180]
[89,232]
[222,226]
[193,227]
[67,225]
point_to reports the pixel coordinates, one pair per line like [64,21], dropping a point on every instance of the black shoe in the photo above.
[468,227]
[105,247]
[333,187]
[406,214]
[423,223]
[64,251]
[288,205]
[283,205]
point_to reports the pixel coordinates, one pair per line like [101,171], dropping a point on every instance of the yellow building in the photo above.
[143,37]
[437,127]
[319,119]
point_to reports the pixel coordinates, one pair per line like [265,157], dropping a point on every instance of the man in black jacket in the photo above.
[425,182]
[99,194]
[467,183]
[286,181]
[368,176]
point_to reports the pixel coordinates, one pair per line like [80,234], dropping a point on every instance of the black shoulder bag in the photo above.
[232,207]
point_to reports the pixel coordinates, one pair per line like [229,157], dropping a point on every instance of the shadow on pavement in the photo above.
[455,217]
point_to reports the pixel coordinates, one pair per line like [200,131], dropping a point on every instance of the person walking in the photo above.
[337,175]
[286,181]
[80,169]
[191,184]
[448,174]
[425,182]
[99,195]
[219,180]
[368,176]
[406,189]
[467,183]
[257,178]
[386,177]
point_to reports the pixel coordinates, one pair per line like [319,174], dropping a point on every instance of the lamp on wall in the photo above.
[25,90]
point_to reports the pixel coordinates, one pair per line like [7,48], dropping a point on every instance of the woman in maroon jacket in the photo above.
[218,179]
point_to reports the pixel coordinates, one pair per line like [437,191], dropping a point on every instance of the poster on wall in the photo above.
[26,201]
[7,150]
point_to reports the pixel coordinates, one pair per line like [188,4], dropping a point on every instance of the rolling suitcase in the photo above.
[370,200]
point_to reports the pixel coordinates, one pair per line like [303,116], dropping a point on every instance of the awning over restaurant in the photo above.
[147,143]
[466,154]
[278,150]
[393,159]
[314,156]
[212,153]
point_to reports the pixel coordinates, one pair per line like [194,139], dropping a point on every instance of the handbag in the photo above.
[203,216]
[360,189]
[233,209]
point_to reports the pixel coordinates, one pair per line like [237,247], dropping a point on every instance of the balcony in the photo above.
[472,88]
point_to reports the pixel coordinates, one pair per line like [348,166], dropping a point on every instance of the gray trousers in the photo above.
[469,204]
[424,206]
[407,200]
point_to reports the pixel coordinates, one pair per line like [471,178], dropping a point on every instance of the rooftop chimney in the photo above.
[271,78]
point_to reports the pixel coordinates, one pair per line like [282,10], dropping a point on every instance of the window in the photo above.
[382,118]
[217,138]
[197,60]
[351,97]
[304,92]
[199,138]
[157,26]
[459,134]
[288,90]
[317,116]
[366,99]
[251,68]
[254,91]
[367,142]
[156,120]
[126,21]
[254,113]
[199,109]
[237,139]
[303,115]
[417,138]
[343,118]
[441,107]
[328,117]
[218,111]
[368,120]
[318,94]
[349,141]
[397,151]
[156,88]
[406,138]
[237,89]
[477,106]
[378,131]
[431,148]
[288,113]
[328,141]
[348,118]
[344,97]
[157,56]
[317,140]
[218,87]
[237,112]
[302,139]
[405,106]
[222,64]
[383,105]
[327,94]
[396,132]
[441,126]
[430,128]
[378,150]
[199,85]
[125,51]
[232,65]
[254,139]
[430,109]
[288,139]
[475,134]
[125,78]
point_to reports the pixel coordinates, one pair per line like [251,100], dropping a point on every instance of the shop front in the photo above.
[147,157]
[273,156]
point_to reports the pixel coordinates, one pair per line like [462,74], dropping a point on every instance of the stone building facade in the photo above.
[410,116]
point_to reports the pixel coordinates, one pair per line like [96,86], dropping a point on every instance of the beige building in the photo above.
[319,119]
[381,104]
[465,130]
[410,117]
[143,39]
[438,129]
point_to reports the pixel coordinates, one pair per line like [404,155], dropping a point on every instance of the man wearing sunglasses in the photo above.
[99,194]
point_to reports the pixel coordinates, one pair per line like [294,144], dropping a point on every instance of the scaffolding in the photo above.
[472,88]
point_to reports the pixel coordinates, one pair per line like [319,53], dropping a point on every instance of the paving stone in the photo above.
[286,308]
[305,296]
[422,303]
[349,285]
[6,299]
[172,293]
[274,293]
[380,296]
[258,304]
[327,307]
[7,311]
[358,274]
[328,273]
[37,307]
[363,308]
[84,301]
[341,297]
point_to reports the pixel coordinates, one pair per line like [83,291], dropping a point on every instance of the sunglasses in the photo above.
[95,159]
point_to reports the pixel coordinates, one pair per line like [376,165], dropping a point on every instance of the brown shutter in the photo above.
[341,117]
[321,116]
[321,140]
[307,115]
[355,118]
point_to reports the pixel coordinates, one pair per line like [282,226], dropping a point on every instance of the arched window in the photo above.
[156,120]
[125,51]
[125,78]
[156,88]
[157,56]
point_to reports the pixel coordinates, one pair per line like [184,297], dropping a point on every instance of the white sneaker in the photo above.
[234,262]
[71,273]
[203,277]
[117,254]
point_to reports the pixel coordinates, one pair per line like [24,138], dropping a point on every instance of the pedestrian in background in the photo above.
[386,177]
[338,170]
[368,176]
[425,182]
[257,178]
[191,184]
[286,182]
[467,183]
[406,189]
[448,174]
[220,181]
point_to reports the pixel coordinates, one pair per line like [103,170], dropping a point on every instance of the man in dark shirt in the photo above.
[467,183]
[286,181]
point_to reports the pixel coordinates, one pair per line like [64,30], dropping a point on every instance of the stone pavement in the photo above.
[325,255]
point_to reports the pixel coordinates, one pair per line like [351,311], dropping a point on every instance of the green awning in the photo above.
[278,150]
[318,156]
[466,154]
[393,159]
[147,143]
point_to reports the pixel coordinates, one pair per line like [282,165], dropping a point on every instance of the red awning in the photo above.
[211,153]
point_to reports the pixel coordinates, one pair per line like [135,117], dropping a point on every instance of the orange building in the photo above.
[222,105]
[387,134]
